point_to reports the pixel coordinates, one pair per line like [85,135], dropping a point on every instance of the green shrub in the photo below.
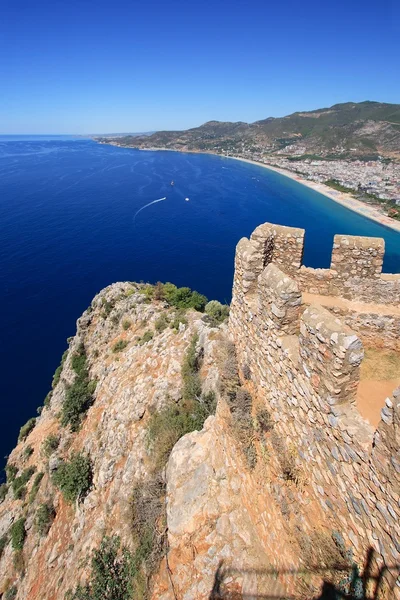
[18,534]
[74,478]
[11,472]
[184,297]
[3,543]
[146,337]
[47,399]
[35,487]
[111,574]
[27,453]
[26,429]
[11,593]
[58,371]
[190,372]
[179,318]
[161,323]
[216,311]
[148,291]
[107,308]
[44,518]
[79,396]
[126,324]
[19,483]
[119,346]
[3,491]
[50,444]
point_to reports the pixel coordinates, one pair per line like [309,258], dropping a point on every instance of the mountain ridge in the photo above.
[358,129]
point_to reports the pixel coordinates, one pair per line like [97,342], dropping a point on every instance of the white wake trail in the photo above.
[146,205]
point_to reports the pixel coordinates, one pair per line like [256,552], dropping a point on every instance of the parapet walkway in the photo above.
[374,386]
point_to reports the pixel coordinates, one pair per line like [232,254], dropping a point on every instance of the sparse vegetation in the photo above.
[11,472]
[79,396]
[18,533]
[216,313]
[3,491]
[44,518]
[148,525]
[27,453]
[50,444]
[19,483]
[26,429]
[74,478]
[3,543]
[119,346]
[178,318]
[146,337]
[35,487]
[111,574]
[161,323]
[126,324]
[168,425]
[57,373]
[11,593]
[240,403]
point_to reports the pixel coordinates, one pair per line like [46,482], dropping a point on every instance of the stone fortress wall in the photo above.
[304,365]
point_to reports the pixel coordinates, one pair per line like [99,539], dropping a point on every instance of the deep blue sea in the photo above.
[67,229]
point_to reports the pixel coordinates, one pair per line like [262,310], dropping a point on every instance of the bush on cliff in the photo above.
[119,346]
[182,298]
[26,429]
[57,373]
[3,491]
[35,487]
[111,574]
[3,543]
[18,534]
[216,312]
[50,444]
[44,518]
[74,478]
[79,396]
[11,593]
[19,483]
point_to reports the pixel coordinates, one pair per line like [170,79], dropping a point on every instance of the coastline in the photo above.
[343,198]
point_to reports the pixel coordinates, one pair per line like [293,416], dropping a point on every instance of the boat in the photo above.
[187,199]
[172,182]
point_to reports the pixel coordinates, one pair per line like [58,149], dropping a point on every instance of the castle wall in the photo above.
[304,368]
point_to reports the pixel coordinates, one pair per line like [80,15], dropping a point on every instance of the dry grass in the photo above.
[380,365]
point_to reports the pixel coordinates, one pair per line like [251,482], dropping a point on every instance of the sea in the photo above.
[76,216]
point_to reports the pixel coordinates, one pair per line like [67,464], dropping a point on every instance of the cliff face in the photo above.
[210,509]
[134,379]
[170,462]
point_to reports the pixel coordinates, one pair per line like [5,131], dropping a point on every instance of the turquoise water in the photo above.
[68,228]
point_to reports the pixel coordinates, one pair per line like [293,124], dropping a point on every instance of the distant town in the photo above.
[374,180]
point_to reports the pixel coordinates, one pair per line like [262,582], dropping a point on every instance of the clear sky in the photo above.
[80,66]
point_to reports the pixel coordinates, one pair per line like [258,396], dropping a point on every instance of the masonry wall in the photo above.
[304,366]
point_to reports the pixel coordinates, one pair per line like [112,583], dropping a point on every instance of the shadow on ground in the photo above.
[338,582]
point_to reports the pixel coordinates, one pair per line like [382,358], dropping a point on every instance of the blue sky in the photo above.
[117,66]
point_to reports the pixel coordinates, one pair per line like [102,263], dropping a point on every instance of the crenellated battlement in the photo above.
[302,334]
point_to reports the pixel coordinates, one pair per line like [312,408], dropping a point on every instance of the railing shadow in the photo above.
[371,583]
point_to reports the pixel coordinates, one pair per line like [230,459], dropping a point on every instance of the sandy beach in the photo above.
[345,199]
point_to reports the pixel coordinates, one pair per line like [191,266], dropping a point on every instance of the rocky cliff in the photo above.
[156,471]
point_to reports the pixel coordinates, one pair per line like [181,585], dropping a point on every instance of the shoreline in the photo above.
[344,198]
